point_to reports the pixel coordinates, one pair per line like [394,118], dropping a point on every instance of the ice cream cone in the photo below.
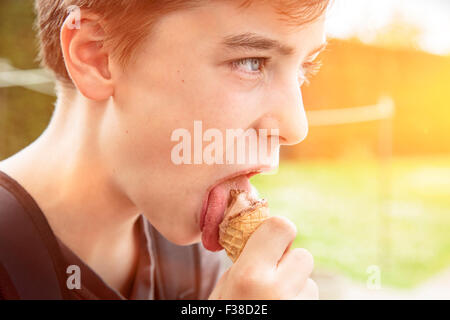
[243,215]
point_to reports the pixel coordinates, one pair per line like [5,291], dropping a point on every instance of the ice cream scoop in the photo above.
[242,217]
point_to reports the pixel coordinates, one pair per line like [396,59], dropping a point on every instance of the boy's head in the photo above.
[128,22]
[144,69]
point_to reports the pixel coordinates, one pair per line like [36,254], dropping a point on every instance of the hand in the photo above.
[267,269]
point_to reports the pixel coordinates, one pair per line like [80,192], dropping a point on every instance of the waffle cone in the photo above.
[237,227]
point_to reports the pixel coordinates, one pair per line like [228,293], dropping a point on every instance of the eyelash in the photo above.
[309,68]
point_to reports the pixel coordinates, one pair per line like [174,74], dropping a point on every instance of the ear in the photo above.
[85,56]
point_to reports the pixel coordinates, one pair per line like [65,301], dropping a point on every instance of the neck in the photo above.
[65,173]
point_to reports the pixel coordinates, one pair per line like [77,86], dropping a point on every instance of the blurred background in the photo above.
[369,189]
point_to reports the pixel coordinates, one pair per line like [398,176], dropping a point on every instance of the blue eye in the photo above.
[250,65]
[253,64]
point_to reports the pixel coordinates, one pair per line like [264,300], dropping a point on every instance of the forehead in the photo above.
[275,27]
[296,13]
[261,14]
[215,21]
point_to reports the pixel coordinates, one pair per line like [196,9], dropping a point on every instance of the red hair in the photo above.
[136,20]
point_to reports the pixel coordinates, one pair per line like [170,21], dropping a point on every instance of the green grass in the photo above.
[351,215]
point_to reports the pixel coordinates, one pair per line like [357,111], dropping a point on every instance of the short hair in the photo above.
[128,22]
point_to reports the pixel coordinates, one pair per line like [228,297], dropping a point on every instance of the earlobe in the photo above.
[86,58]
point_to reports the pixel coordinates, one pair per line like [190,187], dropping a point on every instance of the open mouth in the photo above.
[216,203]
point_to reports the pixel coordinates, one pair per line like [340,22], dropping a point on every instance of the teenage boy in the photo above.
[96,208]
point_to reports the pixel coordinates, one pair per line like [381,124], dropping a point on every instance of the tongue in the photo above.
[217,204]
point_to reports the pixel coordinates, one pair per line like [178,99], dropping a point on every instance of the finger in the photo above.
[268,243]
[294,268]
[309,292]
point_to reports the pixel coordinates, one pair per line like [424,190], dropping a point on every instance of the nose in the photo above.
[285,112]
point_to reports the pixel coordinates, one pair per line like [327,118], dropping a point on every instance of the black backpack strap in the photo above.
[29,252]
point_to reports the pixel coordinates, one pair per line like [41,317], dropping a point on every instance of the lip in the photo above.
[249,173]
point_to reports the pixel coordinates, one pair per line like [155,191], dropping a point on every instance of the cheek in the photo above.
[218,105]
[178,90]
[155,99]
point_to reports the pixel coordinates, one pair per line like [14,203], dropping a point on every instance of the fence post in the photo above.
[385,150]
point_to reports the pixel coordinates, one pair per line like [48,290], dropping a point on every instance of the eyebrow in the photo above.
[250,40]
